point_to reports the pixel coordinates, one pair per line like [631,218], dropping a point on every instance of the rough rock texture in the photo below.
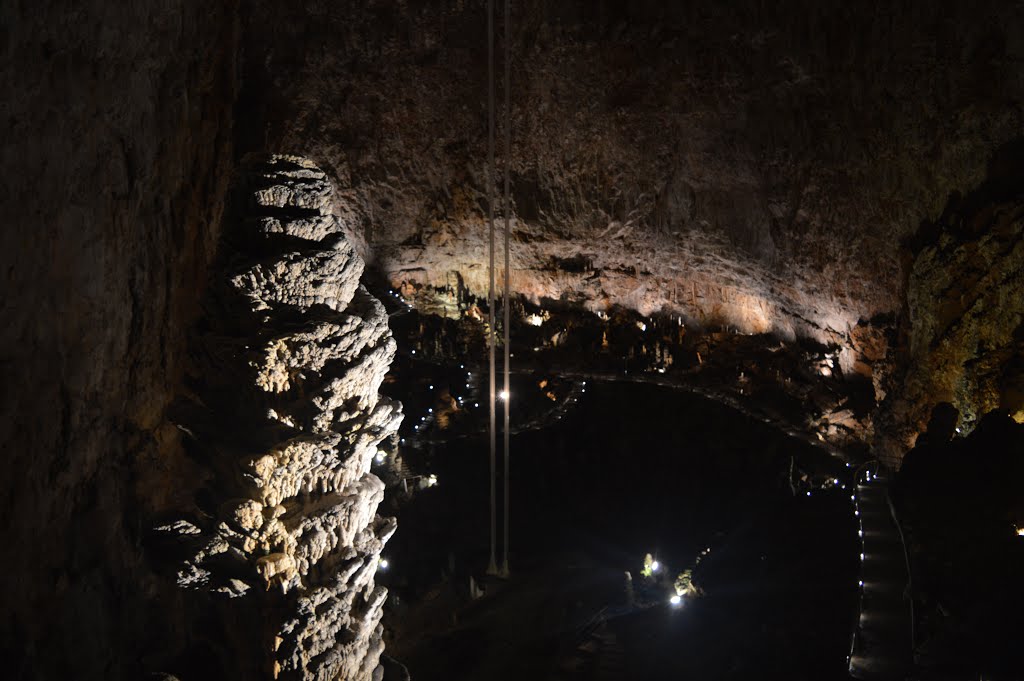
[745,163]
[963,326]
[116,156]
[286,421]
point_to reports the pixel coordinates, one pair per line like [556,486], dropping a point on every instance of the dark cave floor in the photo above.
[632,469]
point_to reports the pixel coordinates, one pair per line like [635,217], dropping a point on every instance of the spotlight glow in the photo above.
[676,600]
[383,564]
[503,395]
[655,566]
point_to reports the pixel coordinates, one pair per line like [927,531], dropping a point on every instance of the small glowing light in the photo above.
[862,556]
[430,411]
[383,564]
[958,430]
[856,513]
[431,480]
[860,583]
[380,457]
[1020,531]
[414,352]
[430,387]
[835,481]
[641,326]
[676,599]
[503,395]
[655,566]
[462,366]
[860,533]
[808,493]
[476,404]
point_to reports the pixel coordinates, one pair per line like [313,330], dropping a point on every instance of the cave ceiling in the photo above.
[753,165]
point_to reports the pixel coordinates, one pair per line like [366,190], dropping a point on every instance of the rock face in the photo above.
[287,420]
[736,163]
[116,157]
[742,165]
[963,325]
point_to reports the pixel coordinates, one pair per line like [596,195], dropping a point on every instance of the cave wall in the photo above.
[117,155]
[962,326]
[748,164]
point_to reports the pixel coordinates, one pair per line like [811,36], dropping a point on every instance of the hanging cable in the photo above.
[492,566]
[507,207]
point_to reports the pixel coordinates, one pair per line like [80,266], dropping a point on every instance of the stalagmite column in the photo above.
[287,416]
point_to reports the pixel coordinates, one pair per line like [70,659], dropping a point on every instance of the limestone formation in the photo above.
[735,163]
[291,382]
[964,317]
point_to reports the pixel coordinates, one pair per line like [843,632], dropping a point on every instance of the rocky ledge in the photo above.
[285,420]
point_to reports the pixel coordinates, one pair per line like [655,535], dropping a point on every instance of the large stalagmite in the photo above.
[290,357]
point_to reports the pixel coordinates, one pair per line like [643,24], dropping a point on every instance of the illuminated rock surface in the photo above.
[964,312]
[738,164]
[292,354]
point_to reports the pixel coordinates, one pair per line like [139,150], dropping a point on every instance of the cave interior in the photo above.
[374,340]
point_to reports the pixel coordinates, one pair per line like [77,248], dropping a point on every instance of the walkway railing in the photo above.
[878,648]
[910,575]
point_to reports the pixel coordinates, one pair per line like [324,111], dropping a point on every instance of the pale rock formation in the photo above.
[299,364]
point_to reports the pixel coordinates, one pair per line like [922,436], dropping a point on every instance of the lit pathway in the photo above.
[882,647]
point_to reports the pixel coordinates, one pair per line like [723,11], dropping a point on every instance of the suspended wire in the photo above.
[492,567]
[507,207]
